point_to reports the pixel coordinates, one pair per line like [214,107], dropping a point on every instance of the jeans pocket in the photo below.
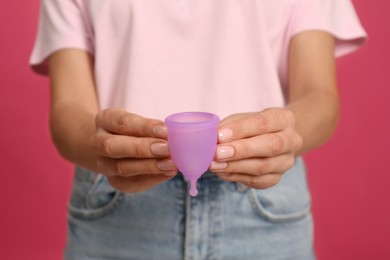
[288,201]
[92,196]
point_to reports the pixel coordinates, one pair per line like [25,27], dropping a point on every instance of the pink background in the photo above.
[349,176]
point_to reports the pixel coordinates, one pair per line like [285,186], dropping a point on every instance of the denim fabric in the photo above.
[225,221]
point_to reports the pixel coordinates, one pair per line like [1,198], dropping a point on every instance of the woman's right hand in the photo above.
[129,149]
[132,151]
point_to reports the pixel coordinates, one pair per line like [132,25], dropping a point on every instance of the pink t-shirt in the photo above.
[157,57]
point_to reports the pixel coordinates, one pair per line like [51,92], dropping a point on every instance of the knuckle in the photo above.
[107,146]
[119,168]
[298,142]
[261,123]
[276,144]
[254,182]
[266,182]
[148,127]
[139,150]
[123,123]
[289,115]
[264,167]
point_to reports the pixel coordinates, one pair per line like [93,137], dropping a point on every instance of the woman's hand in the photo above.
[255,149]
[131,150]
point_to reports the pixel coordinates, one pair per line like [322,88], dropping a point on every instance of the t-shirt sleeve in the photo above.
[62,24]
[337,17]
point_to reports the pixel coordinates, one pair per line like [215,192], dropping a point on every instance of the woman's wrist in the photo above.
[71,131]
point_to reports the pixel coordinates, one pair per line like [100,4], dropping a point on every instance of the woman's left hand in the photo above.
[255,149]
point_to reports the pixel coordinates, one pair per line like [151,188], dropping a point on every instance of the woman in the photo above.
[118,68]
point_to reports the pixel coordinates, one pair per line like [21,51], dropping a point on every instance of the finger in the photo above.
[266,145]
[267,121]
[137,183]
[124,123]
[233,118]
[255,166]
[130,167]
[256,182]
[122,146]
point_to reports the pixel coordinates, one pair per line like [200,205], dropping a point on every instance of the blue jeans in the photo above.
[225,221]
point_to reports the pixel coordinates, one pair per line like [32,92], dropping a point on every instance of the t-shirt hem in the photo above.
[39,62]
[346,43]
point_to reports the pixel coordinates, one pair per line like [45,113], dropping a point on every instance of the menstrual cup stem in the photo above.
[193,189]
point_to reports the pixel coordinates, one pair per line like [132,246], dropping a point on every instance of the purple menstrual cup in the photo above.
[192,141]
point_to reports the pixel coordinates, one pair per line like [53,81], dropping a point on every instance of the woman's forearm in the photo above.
[73,105]
[316,117]
[313,91]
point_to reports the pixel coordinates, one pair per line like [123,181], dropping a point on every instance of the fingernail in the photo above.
[159,131]
[218,165]
[165,165]
[159,149]
[225,134]
[225,152]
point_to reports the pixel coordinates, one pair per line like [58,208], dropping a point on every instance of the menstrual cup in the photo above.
[192,141]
